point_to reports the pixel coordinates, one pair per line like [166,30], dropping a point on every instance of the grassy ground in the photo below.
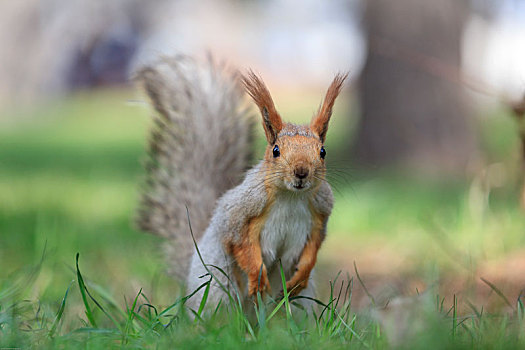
[69,180]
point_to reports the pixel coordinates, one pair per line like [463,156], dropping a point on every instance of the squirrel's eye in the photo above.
[276,152]
[323,152]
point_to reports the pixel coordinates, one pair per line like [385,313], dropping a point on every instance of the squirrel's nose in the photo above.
[301,172]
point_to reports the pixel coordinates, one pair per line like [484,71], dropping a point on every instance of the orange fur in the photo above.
[320,122]
[272,121]
[296,152]
[247,255]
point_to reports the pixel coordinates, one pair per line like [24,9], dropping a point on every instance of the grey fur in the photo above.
[200,145]
[233,209]
[323,201]
[297,130]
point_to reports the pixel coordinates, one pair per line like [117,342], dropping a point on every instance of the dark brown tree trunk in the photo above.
[412,108]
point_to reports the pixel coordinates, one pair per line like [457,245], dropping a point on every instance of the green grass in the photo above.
[104,323]
[70,175]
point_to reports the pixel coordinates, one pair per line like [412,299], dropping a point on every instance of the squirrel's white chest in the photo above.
[286,230]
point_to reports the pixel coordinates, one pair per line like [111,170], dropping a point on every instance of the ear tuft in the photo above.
[320,121]
[256,88]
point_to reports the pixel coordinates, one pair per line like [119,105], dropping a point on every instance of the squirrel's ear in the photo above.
[320,121]
[272,121]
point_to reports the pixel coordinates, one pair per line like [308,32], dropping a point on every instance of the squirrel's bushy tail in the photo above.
[200,145]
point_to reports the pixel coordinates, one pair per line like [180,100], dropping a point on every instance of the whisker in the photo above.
[331,185]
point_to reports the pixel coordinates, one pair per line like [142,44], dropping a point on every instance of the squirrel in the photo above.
[199,148]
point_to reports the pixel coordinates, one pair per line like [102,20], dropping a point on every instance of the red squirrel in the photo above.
[276,215]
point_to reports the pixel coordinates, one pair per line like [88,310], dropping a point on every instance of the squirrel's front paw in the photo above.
[293,289]
[262,286]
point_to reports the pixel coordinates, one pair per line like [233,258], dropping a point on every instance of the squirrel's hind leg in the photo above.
[213,256]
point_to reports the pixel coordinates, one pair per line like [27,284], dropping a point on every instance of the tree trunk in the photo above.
[413,113]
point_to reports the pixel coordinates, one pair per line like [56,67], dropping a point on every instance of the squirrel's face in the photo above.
[296,160]
[295,154]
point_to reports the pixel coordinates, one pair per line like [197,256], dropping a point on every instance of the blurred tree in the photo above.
[413,111]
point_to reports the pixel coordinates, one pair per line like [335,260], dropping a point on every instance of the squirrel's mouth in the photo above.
[300,185]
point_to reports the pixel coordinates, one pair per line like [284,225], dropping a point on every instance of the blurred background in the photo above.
[426,143]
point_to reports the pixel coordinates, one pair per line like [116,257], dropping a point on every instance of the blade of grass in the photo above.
[131,316]
[260,310]
[178,302]
[217,309]
[520,308]
[107,298]
[454,316]
[285,293]
[474,309]
[331,309]
[60,313]
[149,306]
[82,287]
[274,311]
[363,285]
[497,291]
[204,298]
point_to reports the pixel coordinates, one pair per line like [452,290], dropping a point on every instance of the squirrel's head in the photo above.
[295,154]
